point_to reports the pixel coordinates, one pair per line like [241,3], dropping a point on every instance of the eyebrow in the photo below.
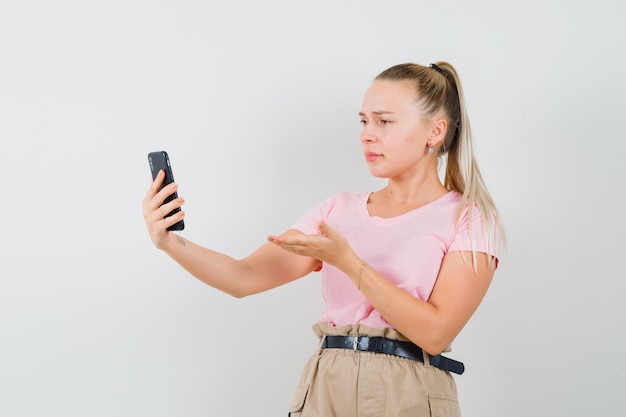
[378,113]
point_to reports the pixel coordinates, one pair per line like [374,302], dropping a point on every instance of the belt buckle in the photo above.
[355,343]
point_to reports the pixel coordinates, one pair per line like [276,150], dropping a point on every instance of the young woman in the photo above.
[403,268]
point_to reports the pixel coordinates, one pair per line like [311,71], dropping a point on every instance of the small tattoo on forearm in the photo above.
[181,241]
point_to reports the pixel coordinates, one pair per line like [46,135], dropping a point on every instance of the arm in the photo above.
[431,324]
[266,268]
[435,323]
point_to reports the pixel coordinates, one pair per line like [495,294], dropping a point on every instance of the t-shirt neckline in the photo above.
[386,220]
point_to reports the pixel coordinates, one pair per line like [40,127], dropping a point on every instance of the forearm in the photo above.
[216,269]
[416,319]
[432,324]
[267,267]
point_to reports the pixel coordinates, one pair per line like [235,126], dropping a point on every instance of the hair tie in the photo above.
[436,67]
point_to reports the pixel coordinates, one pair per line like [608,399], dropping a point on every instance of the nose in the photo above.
[367,135]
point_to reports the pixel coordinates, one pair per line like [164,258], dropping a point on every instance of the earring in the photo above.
[431,149]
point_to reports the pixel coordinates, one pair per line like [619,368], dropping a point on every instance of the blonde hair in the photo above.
[438,88]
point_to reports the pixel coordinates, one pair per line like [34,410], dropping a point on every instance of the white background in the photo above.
[256,103]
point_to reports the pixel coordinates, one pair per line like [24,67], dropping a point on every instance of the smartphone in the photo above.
[161,161]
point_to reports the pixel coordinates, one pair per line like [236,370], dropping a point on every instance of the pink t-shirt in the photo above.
[407,250]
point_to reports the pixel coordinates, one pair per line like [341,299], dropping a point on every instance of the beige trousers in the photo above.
[347,383]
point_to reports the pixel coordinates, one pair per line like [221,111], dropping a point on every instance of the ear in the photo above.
[438,132]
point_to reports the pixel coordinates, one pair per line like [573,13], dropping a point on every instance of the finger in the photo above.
[298,250]
[325,229]
[288,246]
[174,218]
[154,187]
[159,198]
[158,181]
[168,190]
[154,210]
[285,240]
[167,208]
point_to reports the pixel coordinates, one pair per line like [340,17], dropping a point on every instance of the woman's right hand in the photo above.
[154,212]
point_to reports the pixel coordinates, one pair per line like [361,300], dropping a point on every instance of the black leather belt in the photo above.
[391,347]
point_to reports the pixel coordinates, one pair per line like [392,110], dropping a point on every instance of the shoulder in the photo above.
[446,208]
[348,197]
[464,211]
[344,199]
[339,202]
[477,228]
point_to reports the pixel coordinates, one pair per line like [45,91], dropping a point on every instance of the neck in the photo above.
[414,190]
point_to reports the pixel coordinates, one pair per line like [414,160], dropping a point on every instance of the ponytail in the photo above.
[439,89]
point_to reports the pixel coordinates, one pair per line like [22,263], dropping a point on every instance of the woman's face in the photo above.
[395,131]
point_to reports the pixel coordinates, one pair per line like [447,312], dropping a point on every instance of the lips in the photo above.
[372,156]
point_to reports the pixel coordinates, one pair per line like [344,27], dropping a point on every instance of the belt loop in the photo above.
[321,345]
[426,358]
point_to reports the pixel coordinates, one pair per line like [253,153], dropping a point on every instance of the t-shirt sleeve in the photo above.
[470,235]
[307,223]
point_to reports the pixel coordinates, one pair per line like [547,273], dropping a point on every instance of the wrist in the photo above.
[361,270]
[356,270]
[171,242]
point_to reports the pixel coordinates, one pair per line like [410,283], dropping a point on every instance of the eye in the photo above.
[384,122]
[363,122]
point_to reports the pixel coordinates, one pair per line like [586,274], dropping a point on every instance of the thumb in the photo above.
[325,229]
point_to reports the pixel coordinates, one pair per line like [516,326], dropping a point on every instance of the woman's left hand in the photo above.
[329,246]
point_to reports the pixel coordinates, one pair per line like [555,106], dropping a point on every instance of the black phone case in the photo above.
[161,161]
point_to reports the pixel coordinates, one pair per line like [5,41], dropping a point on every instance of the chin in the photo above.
[378,174]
